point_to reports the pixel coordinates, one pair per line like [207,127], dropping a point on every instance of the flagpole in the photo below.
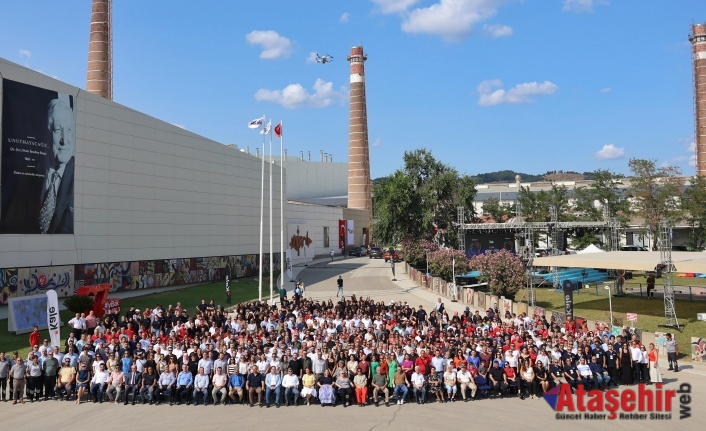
[281,205]
[262,214]
[272,274]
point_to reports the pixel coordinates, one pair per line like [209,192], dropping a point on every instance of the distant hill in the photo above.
[508,176]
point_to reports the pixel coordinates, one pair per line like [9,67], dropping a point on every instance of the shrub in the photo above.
[78,303]
[503,271]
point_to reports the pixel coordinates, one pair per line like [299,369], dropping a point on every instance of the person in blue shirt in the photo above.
[184,382]
[273,383]
[236,381]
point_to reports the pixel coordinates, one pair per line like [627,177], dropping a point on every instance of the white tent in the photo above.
[590,249]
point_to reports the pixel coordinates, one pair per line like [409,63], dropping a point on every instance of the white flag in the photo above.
[254,124]
[266,129]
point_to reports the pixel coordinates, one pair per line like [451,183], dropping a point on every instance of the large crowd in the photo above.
[353,350]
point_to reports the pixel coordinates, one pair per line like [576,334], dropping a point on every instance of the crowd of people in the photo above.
[351,350]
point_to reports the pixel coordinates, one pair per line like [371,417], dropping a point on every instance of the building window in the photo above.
[326,237]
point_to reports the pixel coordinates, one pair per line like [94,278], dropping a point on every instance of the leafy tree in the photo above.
[503,271]
[498,211]
[694,205]
[655,194]
[536,206]
[604,190]
[421,200]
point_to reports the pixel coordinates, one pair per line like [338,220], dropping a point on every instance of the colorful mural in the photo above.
[128,275]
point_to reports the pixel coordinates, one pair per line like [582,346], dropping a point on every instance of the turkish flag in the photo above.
[278,130]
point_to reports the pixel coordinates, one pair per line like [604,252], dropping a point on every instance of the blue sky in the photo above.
[487,85]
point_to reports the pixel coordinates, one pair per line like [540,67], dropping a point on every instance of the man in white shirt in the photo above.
[79,325]
[419,386]
[636,356]
[465,381]
[290,383]
[201,387]
[99,383]
[219,381]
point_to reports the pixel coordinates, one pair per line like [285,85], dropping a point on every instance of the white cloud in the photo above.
[609,152]
[274,46]
[377,143]
[692,160]
[606,90]
[296,96]
[26,54]
[311,58]
[498,30]
[692,146]
[345,17]
[581,6]
[491,95]
[394,6]
[450,19]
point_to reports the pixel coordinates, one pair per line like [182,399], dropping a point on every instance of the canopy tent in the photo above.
[590,249]
[683,261]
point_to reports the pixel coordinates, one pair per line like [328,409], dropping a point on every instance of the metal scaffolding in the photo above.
[461,219]
[665,254]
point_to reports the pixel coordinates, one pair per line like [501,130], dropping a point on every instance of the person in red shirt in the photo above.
[423,362]
[34,337]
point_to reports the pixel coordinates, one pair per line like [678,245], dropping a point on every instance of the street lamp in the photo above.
[610,304]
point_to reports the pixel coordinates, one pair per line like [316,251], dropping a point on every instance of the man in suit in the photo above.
[57,212]
[133,382]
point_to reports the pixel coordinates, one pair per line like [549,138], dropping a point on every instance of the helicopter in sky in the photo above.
[323,59]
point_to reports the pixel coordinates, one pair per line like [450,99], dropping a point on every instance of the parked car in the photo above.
[358,251]
[395,256]
[363,250]
[375,252]
[632,248]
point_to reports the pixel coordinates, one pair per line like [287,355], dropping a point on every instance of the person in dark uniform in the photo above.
[650,286]
[611,359]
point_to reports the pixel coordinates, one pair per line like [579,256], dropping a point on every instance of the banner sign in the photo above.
[568,298]
[632,317]
[350,238]
[289,265]
[53,321]
[112,305]
[38,148]
[341,234]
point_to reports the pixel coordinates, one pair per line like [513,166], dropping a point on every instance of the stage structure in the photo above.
[665,253]
[525,232]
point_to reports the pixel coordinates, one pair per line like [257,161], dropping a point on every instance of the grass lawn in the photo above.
[242,289]
[650,313]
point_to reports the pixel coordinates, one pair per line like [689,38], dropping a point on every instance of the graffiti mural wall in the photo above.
[144,274]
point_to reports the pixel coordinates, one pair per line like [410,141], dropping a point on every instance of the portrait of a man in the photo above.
[38,153]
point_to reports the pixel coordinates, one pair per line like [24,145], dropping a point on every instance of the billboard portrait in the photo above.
[38,151]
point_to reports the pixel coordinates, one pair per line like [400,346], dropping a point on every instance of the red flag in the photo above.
[278,130]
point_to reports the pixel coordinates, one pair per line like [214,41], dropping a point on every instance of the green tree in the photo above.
[421,200]
[498,211]
[694,205]
[604,190]
[655,194]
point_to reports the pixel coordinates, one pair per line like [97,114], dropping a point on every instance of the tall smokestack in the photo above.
[99,78]
[359,193]
[698,44]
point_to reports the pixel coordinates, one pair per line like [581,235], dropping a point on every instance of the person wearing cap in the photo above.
[65,380]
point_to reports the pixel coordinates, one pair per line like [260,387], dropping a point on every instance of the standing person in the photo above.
[339,282]
[18,372]
[34,337]
[672,352]
[34,384]
[332,255]
[50,368]
[4,373]
[653,358]
[650,286]
[79,325]
[625,366]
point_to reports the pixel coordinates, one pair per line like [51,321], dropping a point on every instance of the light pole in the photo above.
[610,305]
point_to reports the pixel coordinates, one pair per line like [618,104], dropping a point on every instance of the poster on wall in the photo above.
[38,149]
[350,230]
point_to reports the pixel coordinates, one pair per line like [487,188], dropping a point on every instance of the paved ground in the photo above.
[362,277]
